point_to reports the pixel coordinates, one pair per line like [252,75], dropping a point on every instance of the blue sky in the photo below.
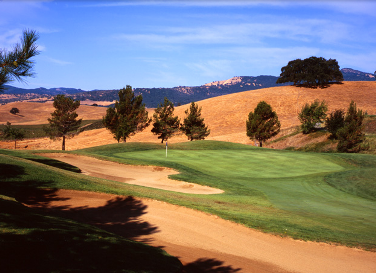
[111,44]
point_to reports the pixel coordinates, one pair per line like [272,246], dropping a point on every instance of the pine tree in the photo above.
[263,123]
[63,122]
[351,136]
[128,117]
[16,64]
[165,124]
[194,126]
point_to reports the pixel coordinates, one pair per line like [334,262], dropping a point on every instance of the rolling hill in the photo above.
[153,96]
[225,115]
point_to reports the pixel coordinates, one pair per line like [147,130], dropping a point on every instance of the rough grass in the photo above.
[32,241]
[307,196]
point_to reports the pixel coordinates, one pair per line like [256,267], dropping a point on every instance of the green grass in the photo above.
[306,196]
[33,241]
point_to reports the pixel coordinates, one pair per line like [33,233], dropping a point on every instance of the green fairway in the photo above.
[288,193]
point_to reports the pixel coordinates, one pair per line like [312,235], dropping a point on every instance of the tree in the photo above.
[312,71]
[193,125]
[165,124]
[16,64]
[263,123]
[351,136]
[14,111]
[334,122]
[311,115]
[128,117]
[13,133]
[63,122]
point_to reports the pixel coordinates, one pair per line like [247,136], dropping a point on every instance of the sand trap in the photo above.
[204,243]
[149,176]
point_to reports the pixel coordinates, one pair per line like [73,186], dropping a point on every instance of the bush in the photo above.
[311,115]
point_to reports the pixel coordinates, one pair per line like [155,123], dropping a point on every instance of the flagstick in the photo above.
[166,148]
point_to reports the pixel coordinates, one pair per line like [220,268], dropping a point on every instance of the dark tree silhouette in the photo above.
[17,64]
[312,72]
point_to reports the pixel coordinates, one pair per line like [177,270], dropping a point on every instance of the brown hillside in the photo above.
[225,115]
[32,113]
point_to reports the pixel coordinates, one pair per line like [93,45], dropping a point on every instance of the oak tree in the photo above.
[263,123]
[312,72]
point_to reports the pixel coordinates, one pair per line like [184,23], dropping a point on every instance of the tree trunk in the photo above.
[15,144]
[260,143]
[63,146]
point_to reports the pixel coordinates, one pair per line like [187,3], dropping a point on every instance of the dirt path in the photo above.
[155,177]
[204,243]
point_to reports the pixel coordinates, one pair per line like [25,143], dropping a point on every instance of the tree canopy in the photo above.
[193,125]
[128,117]
[165,124]
[263,123]
[311,115]
[16,64]
[312,72]
[63,122]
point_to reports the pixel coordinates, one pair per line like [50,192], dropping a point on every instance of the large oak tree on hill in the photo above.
[263,123]
[193,125]
[165,123]
[128,117]
[63,122]
[311,72]
[17,64]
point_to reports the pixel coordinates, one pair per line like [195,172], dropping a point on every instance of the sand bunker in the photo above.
[204,243]
[148,176]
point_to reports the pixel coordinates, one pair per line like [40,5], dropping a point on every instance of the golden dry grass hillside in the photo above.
[226,115]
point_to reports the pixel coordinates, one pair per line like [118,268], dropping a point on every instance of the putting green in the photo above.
[241,163]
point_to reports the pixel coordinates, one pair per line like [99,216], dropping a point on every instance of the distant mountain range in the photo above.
[178,95]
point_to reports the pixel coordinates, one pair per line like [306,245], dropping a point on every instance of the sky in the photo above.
[110,44]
